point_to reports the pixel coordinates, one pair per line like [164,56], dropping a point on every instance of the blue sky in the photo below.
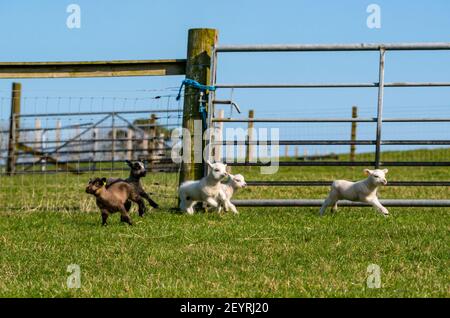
[37,31]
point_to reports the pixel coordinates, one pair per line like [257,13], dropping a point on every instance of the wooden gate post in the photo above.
[14,125]
[130,144]
[38,142]
[199,50]
[57,139]
[152,142]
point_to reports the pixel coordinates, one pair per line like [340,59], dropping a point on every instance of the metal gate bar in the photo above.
[326,120]
[328,183]
[344,163]
[378,142]
[331,85]
[313,203]
[334,142]
[334,47]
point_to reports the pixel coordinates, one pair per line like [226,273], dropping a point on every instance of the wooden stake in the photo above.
[130,144]
[14,125]
[57,137]
[38,140]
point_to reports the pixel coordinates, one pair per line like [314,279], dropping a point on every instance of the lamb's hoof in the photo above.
[126,220]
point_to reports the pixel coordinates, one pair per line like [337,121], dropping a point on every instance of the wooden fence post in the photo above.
[160,147]
[95,144]
[77,156]
[250,148]
[130,144]
[353,133]
[57,137]
[38,140]
[14,126]
[152,142]
[145,145]
[38,134]
[200,44]
[113,140]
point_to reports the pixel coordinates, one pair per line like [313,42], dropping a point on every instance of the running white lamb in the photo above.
[234,183]
[207,190]
[362,191]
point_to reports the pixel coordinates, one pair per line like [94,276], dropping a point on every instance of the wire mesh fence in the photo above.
[63,140]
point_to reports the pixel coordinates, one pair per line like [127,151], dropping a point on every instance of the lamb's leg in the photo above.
[223,202]
[325,204]
[205,207]
[150,201]
[335,207]
[380,208]
[330,200]
[190,207]
[124,217]
[212,202]
[105,215]
[136,198]
[231,206]
[140,202]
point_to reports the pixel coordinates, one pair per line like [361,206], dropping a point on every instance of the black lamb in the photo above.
[137,171]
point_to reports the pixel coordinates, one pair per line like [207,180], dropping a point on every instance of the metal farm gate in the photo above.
[215,119]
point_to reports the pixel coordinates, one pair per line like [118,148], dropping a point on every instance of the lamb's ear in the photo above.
[128,162]
[209,163]
[385,171]
[367,172]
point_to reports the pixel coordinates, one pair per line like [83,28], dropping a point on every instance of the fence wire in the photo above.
[63,141]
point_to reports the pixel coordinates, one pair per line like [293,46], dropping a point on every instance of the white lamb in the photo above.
[207,190]
[234,183]
[362,191]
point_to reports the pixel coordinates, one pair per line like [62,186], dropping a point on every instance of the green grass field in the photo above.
[48,222]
